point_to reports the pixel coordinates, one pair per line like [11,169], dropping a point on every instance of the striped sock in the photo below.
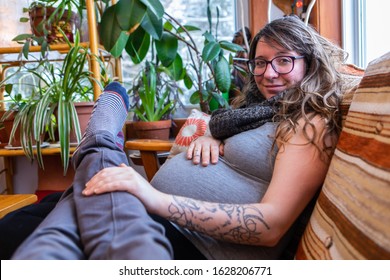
[109,113]
[120,139]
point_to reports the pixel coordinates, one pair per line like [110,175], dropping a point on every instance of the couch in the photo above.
[351,215]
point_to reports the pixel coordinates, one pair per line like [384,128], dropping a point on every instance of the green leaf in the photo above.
[152,25]
[210,51]
[129,14]
[168,26]
[209,18]
[231,46]
[209,37]
[176,68]
[188,28]
[155,7]
[222,75]
[44,47]
[26,49]
[120,44]
[187,81]
[138,45]
[219,98]
[167,48]
[210,85]
[64,131]
[22,37]
[8,88]
[110,30]
[194,98]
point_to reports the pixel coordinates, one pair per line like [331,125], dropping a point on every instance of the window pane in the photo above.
[192,12]
[377,22]
[365,26]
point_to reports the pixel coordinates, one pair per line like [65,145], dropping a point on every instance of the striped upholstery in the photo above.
[351,219]
[352,76]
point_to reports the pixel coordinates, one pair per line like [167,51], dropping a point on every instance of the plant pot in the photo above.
[8,124]
[69,22]
[153,130]
[6,132]
[177,125]
[129,129]
[84,111]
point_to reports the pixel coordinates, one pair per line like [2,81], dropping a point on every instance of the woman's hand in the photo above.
[206,149]
[123,178]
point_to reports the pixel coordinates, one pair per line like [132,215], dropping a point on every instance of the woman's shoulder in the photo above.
[309,129]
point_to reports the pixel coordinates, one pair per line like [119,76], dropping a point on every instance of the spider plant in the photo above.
[154,93]
[51,106]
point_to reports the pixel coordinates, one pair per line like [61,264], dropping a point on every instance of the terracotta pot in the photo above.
[177,125]
[84,111]
[153,130]
[129,129]
[6,132]
[68,23]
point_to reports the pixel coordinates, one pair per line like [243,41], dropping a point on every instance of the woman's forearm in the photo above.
[237,223]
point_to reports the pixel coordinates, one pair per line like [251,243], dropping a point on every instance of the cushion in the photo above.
[351,218]
[195,126]
[352,76]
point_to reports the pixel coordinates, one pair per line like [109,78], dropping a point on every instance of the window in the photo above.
[194,12]
[364,30]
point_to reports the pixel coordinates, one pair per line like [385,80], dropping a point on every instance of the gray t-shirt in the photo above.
[242,175]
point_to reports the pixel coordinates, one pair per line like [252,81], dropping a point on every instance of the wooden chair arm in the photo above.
[148,149]
[9,203]
[148,145]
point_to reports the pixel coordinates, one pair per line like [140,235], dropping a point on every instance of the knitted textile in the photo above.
[225,123]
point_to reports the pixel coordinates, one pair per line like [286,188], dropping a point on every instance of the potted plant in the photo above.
[154,97]
[140,26]
[52,105]
[50,19]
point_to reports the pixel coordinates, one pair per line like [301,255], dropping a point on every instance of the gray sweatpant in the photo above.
[109,226]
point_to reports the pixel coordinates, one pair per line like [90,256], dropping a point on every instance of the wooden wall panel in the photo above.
[258,10]
[325,17]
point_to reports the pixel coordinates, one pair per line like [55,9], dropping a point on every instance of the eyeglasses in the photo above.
[281,64]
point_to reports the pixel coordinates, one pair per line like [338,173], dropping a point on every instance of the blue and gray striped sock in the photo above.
[110,112]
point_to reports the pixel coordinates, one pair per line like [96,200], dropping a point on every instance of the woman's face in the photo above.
[272,83]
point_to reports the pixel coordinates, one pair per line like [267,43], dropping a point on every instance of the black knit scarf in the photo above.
[225,123]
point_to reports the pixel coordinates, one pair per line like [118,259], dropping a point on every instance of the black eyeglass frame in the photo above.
[293,58]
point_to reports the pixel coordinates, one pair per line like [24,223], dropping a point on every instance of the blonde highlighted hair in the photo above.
[319,92]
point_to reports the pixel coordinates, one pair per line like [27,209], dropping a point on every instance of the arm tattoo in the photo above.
[237,223]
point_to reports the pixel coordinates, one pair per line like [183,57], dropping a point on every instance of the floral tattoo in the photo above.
[241,223]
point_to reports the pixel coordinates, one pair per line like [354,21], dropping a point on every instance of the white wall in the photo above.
[25,179]
[10,26]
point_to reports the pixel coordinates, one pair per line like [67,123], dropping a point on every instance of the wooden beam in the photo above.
[258,12]
[325,17]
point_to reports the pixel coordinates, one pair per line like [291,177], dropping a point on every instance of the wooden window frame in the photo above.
[326,17]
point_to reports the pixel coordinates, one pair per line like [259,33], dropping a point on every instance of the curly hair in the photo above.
[319,92]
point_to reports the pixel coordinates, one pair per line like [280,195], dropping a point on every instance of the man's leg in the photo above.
[113,225]
[16,226]
[56,238]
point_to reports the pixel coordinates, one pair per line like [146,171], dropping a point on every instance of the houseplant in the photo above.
[48,17]
[154,97]
[51,106]
[138,25]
